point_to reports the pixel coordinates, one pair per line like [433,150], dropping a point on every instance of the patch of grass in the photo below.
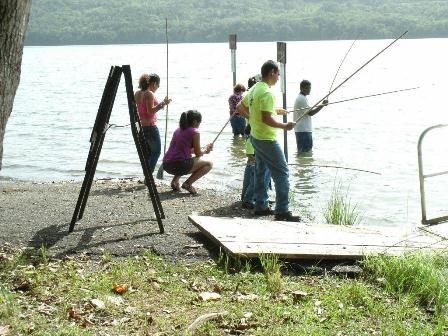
[224,261]
[419,274]
[271,269]
[65,296]
[43,255]
[106,257]
[231,264]
[7,310]
[339,209]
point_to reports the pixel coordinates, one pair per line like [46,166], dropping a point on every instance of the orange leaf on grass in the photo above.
[73,314]
[120,289]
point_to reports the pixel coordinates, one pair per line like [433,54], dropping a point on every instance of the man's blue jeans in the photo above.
[270,158]
[304,141]
[152,137]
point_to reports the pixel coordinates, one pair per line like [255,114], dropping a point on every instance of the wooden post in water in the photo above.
[281,58]
[232,46]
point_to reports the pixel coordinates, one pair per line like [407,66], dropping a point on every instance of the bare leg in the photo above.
[175,183]
[199,169]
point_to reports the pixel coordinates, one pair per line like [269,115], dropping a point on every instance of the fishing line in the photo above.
[329,166]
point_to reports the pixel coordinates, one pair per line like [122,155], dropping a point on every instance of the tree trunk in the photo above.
[14,15]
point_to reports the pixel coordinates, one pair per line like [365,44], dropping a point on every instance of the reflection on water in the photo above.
[304,173]
[237,151]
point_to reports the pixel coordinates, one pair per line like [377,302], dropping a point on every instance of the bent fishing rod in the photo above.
[340,65]
[349,77]
[360,97]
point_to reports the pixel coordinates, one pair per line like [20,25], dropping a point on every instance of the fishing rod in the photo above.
[360,97]
[374,95]
[344,81]
[222,129]
[160,171]
[166,118]
[340,65]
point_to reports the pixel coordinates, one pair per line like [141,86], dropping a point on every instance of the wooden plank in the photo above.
[316,251]
[251,237]
[250,230]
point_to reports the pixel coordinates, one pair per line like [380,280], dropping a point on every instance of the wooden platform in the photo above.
[251,237]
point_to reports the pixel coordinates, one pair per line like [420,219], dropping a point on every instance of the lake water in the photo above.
[47,136]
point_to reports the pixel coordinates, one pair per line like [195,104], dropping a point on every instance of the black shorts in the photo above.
[178,168]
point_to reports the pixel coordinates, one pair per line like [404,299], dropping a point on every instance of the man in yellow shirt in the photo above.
[258,105]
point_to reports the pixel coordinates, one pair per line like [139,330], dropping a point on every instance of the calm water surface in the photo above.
[47,136]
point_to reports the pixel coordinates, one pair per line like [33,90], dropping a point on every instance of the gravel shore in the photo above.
[118,219]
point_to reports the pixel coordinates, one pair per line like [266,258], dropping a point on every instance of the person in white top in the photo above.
[304,128]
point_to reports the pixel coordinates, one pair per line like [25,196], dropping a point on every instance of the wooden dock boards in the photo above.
[251,237]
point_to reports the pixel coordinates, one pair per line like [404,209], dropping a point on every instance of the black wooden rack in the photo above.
[97,138]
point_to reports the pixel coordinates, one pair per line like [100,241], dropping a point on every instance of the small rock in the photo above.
[348,270]
[98,303]
[209,296]
[247,297]
[299,296]
[116,300]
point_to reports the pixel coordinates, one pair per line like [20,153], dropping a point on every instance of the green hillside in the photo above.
[55,22]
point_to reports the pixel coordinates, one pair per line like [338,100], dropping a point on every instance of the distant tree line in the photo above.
[56,22]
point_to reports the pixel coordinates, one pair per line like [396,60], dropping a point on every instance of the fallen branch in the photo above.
[201,319]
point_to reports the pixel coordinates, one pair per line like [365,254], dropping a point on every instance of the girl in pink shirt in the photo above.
[147,107]
[178,159]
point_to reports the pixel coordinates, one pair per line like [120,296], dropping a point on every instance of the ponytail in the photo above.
[183,121]
[187,118]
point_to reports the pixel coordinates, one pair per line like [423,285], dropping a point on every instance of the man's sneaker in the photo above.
[247,205]
[264,212]
[287,217]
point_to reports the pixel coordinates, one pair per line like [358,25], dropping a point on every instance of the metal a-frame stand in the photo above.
[97,138]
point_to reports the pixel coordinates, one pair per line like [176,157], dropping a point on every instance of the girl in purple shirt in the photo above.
[178,159]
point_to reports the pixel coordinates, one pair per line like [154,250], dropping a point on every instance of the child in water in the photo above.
[178,159]
[237,122]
